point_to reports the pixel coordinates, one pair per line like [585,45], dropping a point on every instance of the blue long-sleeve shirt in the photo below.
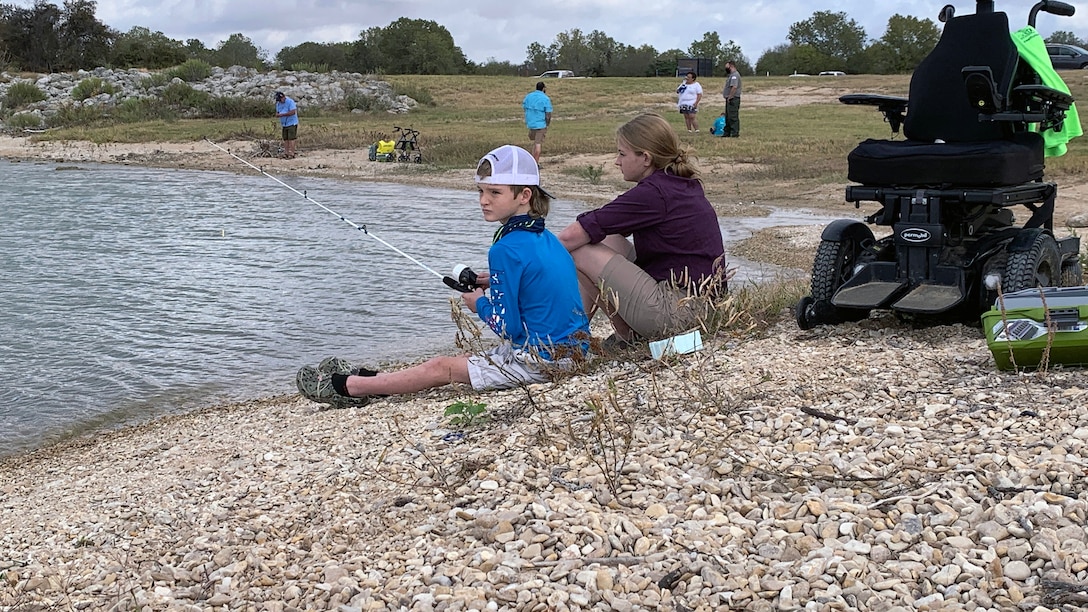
[533,301]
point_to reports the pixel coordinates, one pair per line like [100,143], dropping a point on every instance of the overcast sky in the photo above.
[486,29]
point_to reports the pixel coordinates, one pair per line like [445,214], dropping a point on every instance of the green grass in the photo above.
[795,135]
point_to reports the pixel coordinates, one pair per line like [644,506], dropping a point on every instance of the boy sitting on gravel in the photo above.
[532,302]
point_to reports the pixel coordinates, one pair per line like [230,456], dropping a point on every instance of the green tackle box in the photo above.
[1017,328]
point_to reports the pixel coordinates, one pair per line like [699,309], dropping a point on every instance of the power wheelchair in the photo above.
[973,151]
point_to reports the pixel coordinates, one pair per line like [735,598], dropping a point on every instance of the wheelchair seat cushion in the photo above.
[914,163]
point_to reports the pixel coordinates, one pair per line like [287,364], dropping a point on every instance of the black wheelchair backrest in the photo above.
[938,106]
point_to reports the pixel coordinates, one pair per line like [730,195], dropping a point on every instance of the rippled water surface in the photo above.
[130,292]
[127,293]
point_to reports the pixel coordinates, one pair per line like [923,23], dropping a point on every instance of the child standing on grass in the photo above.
[532,302]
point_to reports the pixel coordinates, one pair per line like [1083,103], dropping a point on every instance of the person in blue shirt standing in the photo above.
[532,303]
[287,113]
[538,116]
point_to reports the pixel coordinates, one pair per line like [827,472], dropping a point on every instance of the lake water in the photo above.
[127,293]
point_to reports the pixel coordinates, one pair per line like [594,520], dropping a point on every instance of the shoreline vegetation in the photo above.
[873,465]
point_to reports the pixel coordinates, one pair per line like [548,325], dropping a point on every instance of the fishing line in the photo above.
[361,228]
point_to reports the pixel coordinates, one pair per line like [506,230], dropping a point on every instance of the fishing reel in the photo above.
[463,279]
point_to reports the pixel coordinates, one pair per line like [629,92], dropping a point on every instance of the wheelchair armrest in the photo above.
[1039,104]
[1043,94]
[893,107]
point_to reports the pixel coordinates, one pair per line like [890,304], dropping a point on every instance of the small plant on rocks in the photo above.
[466,413]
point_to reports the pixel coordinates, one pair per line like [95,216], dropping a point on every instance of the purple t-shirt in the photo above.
[672,225]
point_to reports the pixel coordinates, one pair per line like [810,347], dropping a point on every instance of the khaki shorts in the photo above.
[290,132]
[505,367]
[654,309]
[537,135]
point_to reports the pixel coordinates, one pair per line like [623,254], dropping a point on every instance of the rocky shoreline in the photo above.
[866,466]
[312,89]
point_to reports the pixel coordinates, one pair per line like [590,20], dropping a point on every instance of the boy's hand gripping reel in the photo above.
[463,279]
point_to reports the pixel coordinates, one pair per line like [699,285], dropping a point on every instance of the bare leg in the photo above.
[435,372]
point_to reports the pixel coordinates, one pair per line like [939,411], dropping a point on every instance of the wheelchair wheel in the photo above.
[835,263]
[803,312]
[1072,273]
[1039,266]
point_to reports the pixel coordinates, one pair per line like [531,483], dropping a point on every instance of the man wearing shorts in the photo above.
[287,113]
[538,116]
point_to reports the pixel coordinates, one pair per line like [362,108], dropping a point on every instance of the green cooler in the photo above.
[1017,334]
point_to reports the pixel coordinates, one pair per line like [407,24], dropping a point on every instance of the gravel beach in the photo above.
[865,466]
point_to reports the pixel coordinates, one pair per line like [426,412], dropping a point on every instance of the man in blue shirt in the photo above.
[287,113]
[538,116]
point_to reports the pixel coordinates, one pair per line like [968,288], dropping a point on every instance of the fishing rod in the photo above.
[465,280]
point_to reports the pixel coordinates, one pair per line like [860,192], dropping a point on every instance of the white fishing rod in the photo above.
[361,228]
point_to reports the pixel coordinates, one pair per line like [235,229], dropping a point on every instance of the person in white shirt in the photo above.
[689,94]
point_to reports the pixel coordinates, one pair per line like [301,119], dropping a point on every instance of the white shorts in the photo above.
[505,367]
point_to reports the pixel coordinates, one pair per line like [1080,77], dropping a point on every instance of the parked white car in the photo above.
[832,73]
[556,74]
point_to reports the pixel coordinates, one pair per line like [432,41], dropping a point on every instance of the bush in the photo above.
[355,99]
[22,93]
[76,114]
[310,67]
[91,87]
[182,95]
[192,71]
[236,108]
[416,93]
[24,120]
[155,79]
[134,110]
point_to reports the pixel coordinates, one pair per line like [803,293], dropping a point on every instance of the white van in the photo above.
[556,74]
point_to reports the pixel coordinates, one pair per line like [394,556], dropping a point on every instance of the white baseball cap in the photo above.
[511,165]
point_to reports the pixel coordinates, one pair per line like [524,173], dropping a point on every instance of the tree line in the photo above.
[47,38]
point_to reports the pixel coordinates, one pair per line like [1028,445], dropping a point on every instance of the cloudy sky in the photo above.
[486,29]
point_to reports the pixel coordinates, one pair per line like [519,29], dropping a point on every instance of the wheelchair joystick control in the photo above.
[462,280]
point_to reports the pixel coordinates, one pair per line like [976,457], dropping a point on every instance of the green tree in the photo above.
[572,52]
[195,49]
[831,35]
[364,54]
[710,47]
[1061,37]
[31,37]
[635,61]
[140,47]
[719,53]
[82,40]
[416,46]
[605,49]
[537,59]
[731,52]
[788,59]
[333,56]
[238,50]
[905,42]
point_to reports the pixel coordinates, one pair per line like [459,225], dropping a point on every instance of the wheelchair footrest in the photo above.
[930,299]
[872,294]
